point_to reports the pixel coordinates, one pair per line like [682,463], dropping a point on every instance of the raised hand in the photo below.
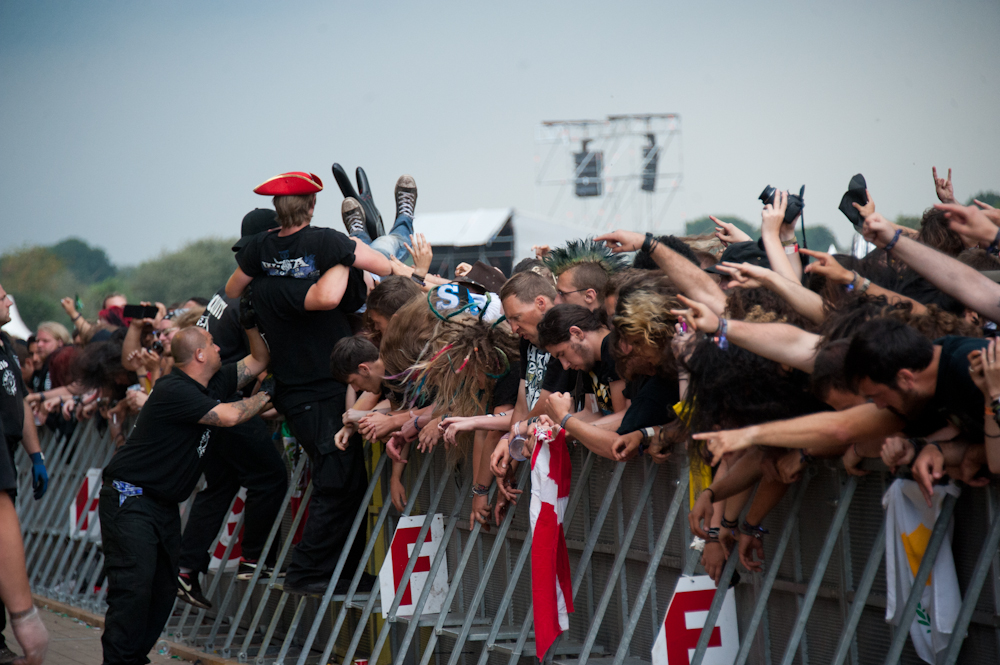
[728,233]
[868,208]
[877,229]
[945,190]
[743,275]
[724,442]
[773,214]
[969,221]
[828,267]
[991,213]
[683,342]
[558,405]
[421,252]
[622,241]
[698,316]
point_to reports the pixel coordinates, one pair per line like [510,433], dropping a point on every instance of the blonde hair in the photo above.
[642,313]
[57,330]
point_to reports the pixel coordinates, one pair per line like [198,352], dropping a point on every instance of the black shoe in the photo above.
[373,218]
[353,215]
[306,589]
[7,656]
[189,590]
[247,568]
[366,584]
[406,195]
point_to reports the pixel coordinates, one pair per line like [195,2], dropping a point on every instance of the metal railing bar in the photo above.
[819,570]
[973,590]
[338,570]
[760,606]
[369,548]
[920,580]
[614,578]
[272,534]
[220,573]
[648,580]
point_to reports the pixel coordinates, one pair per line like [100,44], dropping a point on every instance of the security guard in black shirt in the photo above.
[155,470]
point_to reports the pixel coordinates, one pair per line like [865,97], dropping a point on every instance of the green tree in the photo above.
[909,221]
[988,197]
[33,275]
[88,264]
[820,238]
[198,269]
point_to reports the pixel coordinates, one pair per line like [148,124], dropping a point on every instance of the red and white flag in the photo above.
[551,586]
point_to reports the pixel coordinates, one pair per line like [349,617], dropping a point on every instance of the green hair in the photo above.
[584,250]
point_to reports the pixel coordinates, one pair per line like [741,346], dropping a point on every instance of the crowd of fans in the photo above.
[759,357]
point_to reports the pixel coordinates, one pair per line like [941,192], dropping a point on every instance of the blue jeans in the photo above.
[391,244]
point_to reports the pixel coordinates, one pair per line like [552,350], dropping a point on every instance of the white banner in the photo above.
[390,576]
[89,492]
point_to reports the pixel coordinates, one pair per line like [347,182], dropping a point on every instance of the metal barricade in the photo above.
[820,598]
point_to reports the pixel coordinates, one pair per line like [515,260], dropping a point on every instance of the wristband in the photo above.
[649,244]
[728,524]
[792,249]
[418,280]
[720,334]
[76,317]
[480,490]
[416,423]
[562,424]
[792,241]
[713,535]
[895,239]
[755,530]
[709,489]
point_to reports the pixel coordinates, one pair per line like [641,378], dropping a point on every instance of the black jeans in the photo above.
[141,539]
[339,482]
[241,456]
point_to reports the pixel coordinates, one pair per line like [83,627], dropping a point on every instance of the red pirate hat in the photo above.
[291,183]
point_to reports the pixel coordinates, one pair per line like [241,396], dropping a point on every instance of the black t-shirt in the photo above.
[12,393]
[222,319]
[40,380]
[505,391]
[957,400]
[164,453]
[305,254]
[652,404]
[301,341]
[557,379]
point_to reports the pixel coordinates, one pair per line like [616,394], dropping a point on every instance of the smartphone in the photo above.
[140,312]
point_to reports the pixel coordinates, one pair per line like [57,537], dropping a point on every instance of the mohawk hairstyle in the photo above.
[584,250]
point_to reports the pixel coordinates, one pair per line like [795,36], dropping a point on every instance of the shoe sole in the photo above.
[191,600]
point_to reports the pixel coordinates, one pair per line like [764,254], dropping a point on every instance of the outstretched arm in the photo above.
[817,430]
[328,290]
[688,277]
[779,342]
[230,414]
[965,284]
[238,281]
[370,259]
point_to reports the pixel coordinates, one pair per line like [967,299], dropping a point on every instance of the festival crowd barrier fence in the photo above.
[820,599]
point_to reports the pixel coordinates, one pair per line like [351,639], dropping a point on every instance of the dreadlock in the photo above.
[454,356]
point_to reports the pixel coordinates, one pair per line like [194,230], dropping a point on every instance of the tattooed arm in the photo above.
[233,413]
[248,368]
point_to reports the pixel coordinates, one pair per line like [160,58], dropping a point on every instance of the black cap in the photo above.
[742,252]
[484,277]
[254,222]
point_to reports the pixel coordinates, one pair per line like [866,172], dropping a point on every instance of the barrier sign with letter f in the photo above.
[684,620]
[390,577]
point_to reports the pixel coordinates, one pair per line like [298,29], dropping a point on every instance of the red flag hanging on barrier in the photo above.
[551,585]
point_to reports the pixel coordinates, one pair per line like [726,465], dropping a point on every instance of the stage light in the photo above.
[589,172]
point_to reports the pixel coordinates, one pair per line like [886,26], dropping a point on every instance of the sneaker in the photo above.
[189,590]
[353,215]
[6,655]
[406,195]
[247,569]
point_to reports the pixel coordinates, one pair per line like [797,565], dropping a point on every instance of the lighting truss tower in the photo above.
[623,171]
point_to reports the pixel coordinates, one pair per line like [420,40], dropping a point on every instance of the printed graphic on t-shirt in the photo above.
[538,360]
[9,381]
[216,306]
[300,267]
[203,444]
[602,393]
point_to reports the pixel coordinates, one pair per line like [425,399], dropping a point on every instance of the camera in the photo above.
[157,346]
[796,202]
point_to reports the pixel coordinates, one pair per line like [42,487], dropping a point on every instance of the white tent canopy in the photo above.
[469,228]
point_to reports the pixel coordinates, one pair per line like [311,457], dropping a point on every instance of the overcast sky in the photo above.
[142,126]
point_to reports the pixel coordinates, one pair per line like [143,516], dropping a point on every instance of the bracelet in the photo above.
[416,423]
[792,249]
[480,490]
[76,317]
[713,535]
[649,244]
[720,334]
[757,531]
[728,524]
[418,280]
[709,489]
[792,241]
[865,285]
[895,239]
[562,424]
